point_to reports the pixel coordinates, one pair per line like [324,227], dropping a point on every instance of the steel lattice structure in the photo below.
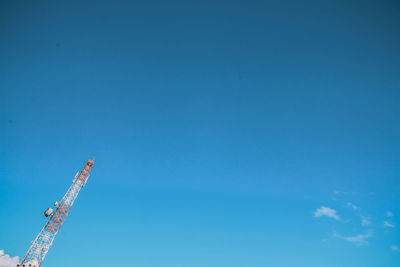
[41,245]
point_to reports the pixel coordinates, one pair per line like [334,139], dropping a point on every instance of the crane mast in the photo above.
[41,245]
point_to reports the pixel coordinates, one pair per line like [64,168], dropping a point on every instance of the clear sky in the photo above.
[226,133]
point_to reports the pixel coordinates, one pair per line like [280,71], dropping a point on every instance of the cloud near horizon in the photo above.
[387,224]
[328,212]
[359,240]
[352,206]
[365,221]
[8,261]
[389,214]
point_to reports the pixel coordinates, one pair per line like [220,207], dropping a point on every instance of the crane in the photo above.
[41,245]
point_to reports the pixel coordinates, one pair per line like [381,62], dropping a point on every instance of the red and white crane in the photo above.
[41,245]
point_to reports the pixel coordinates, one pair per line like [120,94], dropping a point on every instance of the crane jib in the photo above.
[41,245]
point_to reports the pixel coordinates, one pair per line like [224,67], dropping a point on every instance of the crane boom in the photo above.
[41,245]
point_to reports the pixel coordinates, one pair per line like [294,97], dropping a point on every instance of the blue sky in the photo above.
[226,133]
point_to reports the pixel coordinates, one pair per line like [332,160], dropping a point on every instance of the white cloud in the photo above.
[352,206]
[7,261]
[387,224]
[395,248]
[325,211]
[389,214]
[365,221]
[359,240]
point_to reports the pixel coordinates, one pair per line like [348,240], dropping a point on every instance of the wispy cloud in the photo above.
[387,224]
[352,206]
[389,214]
[365,221]
[7,260]
[328,212]
[358,240]
[395,248]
